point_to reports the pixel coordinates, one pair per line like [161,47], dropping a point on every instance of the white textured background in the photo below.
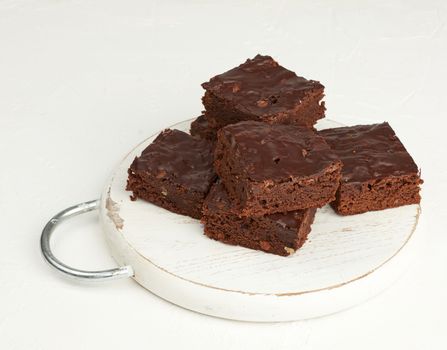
[82,82]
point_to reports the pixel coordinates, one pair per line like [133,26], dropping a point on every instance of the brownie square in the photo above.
[280,233]
[260,89]
[200,129]
[275,168]
[378,172]
[174,172]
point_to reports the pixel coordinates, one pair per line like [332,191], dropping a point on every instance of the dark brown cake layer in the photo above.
[175,172]
[201,129]
[275,168]
[280,233]
[378,172]
[260,89]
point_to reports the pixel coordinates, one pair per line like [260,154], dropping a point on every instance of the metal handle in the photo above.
[112,274]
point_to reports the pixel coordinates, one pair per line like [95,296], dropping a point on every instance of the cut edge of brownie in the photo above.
[269,233]
[377,194]
[308,192]
[165,194]
[220,112]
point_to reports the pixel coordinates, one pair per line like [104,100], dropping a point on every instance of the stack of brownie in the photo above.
[255,170]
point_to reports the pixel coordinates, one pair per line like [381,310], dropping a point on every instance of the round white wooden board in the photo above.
[345,261]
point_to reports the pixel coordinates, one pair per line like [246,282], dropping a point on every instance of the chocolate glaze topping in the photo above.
[278,152]
[261,86]
[369,152]
[179,156]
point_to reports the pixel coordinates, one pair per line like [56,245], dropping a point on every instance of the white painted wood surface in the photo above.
[345,261]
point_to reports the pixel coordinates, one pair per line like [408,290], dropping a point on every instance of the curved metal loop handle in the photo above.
[104,275]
